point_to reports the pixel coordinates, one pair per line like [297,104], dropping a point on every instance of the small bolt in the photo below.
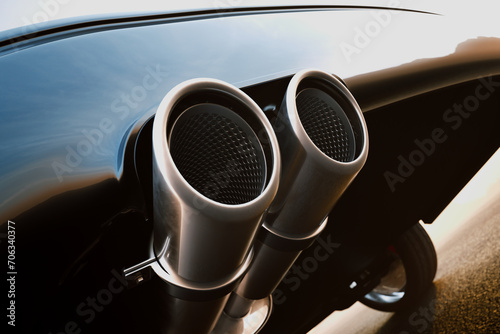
[139,279]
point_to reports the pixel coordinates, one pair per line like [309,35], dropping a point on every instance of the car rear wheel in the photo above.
[411,272]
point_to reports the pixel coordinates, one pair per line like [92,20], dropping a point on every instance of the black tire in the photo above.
[418,257]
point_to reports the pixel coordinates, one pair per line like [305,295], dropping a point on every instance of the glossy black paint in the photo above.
[59,95]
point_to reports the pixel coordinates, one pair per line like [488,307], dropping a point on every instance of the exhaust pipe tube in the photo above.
[215,171]
[324,144]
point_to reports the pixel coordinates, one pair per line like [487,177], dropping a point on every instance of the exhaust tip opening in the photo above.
[216,150]
[329,119]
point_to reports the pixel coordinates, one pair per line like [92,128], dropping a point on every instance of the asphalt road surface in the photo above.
[465,297]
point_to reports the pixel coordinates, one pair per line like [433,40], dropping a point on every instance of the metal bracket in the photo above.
[139,273]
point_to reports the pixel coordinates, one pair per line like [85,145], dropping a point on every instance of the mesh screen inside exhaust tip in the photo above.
[326,124]
[218,154]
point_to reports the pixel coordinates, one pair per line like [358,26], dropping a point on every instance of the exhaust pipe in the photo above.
[215,171]
[323,140]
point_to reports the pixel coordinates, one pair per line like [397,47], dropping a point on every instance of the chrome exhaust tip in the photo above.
[323,141]
[324,144]
[216,170]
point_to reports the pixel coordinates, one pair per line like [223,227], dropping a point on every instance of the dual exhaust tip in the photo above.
[221,170]
[216,170]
